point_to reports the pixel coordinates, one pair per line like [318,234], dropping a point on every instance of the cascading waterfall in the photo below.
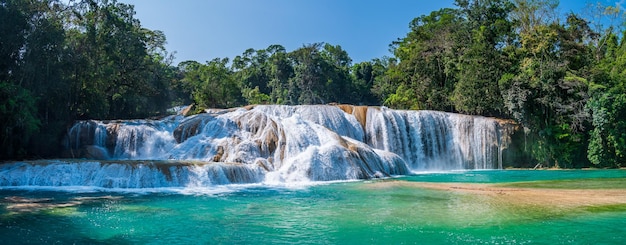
[432,140]
[266,144]
[126,174]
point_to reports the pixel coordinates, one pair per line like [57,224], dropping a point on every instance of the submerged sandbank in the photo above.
[507,193]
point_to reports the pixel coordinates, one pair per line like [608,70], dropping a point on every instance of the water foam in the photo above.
[270,145]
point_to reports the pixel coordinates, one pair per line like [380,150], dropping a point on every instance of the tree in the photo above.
[212,85]
[252,70]
[364,76]
[607,146]
[19,123]
[17,104]
[13,28]
[482,63]
[119,68]
[403,99]
[389,78]
[281,71]
[428,59]
[66,60]
[548,92]
[607,104]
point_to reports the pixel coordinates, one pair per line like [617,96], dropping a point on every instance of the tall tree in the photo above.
[308,74]
[252,68]
[607,103]
[364,76]
[428,58]
[548,92]
[114,61]
[488,31]
[212,85]
[63,60]
[17,104]
[281,70]
[336,71]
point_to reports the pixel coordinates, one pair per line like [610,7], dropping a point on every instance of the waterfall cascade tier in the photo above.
[269,144]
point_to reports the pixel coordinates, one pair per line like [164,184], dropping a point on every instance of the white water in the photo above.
[266,144]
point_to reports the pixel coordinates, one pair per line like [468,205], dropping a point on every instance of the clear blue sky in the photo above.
[201,30]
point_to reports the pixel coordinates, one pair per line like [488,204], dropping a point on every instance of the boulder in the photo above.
[188,110]
[94,152]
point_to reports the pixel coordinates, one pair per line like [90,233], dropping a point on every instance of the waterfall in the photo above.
[266,144]
[432,140]
[126,174]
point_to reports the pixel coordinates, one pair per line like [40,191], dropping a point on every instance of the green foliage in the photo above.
[63,60]
[315,73]
[364,76]
[321,74]
[121,67]
[607,146]
[280,72]
[264,75]
[512,59]
[607,143]
[548,91]
[483,62]
[13,28]
[477,90]
[19,122]
[563,81]
[254,96]
[428,62]
[403,99]
[212,85]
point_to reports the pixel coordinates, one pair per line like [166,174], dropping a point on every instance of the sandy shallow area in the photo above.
[558,198]
[23,204]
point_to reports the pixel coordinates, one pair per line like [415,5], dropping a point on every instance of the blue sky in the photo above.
[201,30]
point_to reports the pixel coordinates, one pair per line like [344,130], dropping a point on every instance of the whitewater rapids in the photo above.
[266,144]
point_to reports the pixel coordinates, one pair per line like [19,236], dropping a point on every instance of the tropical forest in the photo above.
[560,78]
[488,122]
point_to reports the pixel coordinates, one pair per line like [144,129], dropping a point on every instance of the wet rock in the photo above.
[188,110]
[94,152]
[191,127]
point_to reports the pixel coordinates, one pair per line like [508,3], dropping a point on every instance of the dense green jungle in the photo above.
[560,78]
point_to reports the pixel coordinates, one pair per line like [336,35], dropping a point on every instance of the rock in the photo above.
[191,127]
[188,110]
[94,152]
[91,152]
[82,133]
[112,132]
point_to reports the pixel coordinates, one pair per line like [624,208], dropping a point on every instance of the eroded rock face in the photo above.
[265,131]
[191,126]
[359,112]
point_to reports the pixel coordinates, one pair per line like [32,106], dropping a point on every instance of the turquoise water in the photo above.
[364,212]
[500,176]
